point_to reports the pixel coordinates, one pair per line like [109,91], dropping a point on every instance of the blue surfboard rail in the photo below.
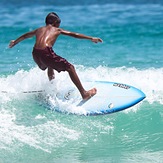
[127,105]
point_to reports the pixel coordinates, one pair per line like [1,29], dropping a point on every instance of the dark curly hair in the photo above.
[51,18]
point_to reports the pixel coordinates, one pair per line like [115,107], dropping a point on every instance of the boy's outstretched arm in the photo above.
[21,38]
[81,36]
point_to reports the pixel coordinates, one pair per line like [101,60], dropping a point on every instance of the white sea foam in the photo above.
[23,83]
[43,137]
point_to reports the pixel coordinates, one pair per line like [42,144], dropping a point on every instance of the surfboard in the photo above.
[111,97]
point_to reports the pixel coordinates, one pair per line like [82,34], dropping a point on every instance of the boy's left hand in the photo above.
[12,43]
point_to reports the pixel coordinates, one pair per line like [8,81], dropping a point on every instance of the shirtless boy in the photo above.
[46,58]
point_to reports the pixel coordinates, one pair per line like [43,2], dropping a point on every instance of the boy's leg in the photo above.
[74,77]
[50,73]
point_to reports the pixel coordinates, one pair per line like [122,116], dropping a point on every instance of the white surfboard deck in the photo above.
[111,97]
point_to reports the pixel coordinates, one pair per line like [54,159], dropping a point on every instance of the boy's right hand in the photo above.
[12,43]
[96,40]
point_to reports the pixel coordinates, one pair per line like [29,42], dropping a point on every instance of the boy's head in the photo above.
[53,19]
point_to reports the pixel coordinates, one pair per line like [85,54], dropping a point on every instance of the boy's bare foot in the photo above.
[89,94]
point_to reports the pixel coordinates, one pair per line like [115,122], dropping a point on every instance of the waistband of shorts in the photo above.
[43,50]
[47,47]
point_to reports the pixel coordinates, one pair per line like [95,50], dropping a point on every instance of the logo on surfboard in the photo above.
[124,86]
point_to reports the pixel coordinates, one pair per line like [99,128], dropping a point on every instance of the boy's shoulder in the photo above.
[43,28]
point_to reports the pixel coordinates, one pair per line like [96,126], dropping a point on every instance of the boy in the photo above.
[46,58]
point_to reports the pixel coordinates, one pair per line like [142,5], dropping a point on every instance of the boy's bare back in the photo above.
[46,36]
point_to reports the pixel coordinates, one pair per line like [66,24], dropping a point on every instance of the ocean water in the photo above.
[131,53]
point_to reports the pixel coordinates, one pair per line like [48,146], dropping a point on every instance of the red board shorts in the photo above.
[48,58]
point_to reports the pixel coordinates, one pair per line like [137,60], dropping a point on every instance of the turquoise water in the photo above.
[131,53]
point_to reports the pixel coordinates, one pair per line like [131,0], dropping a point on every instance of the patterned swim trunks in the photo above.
[48,58]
